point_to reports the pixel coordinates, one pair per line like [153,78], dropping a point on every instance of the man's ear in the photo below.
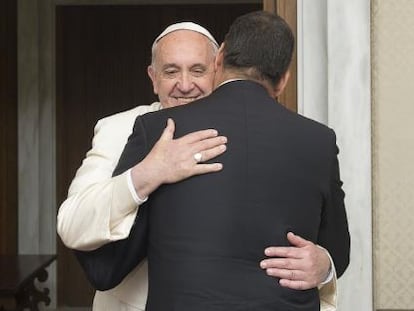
[151,74]
[278,89]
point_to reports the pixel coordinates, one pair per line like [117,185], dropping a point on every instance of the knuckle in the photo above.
[273,272]
[284,252]
[301,285]
[286,264]
[209,143]
[272,263]
[206,134]
[202,135]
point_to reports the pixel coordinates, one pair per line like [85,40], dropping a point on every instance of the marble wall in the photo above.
[334,88]
[36,132]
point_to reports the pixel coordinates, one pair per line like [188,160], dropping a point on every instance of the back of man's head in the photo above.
[260,41]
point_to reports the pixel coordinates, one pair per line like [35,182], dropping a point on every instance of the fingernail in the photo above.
[262,264]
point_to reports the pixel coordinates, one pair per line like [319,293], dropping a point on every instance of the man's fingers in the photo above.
[281,263]
[297,240]
[297,266]
[294,275]
[298,285]
[283,251]
[294,279]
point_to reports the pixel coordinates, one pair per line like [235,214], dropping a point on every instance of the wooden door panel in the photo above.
[288,10]
[8,127]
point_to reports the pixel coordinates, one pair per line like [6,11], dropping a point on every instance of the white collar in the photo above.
[230,80]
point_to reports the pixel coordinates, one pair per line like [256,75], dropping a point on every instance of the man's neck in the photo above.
[226,75]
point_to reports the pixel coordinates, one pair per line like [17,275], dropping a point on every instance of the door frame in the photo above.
[36,118]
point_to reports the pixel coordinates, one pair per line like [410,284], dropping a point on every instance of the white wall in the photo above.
[393,152]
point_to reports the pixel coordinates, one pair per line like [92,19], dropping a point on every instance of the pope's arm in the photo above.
[170,160]
[94,213]
[100,208]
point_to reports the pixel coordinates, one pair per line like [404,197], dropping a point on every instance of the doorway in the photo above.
[101,57]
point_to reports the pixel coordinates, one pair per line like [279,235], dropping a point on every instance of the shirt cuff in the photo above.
[330,275]
[131,188]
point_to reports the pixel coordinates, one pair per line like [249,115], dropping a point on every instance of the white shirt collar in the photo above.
[230,80]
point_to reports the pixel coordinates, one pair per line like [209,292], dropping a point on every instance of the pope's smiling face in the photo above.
[182,68]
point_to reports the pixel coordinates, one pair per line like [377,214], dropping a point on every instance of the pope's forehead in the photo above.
[183,48]
[185,43]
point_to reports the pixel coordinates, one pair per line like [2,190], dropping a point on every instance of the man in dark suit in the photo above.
[207,233]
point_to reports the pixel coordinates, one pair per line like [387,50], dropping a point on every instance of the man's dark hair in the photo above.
[260,41]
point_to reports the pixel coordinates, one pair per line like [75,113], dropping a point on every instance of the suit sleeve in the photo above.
[108,265]
[334,233]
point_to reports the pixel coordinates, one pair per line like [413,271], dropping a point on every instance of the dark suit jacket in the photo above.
[207,234]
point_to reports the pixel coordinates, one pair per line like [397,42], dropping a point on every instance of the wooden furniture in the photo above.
[17,281]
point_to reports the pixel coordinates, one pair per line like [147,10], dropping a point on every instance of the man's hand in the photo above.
[300,266]
[172,160]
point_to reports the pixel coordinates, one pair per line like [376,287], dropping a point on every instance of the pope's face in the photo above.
[183,68]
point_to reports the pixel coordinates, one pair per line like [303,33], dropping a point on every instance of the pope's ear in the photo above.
[218,61]
[151,75]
